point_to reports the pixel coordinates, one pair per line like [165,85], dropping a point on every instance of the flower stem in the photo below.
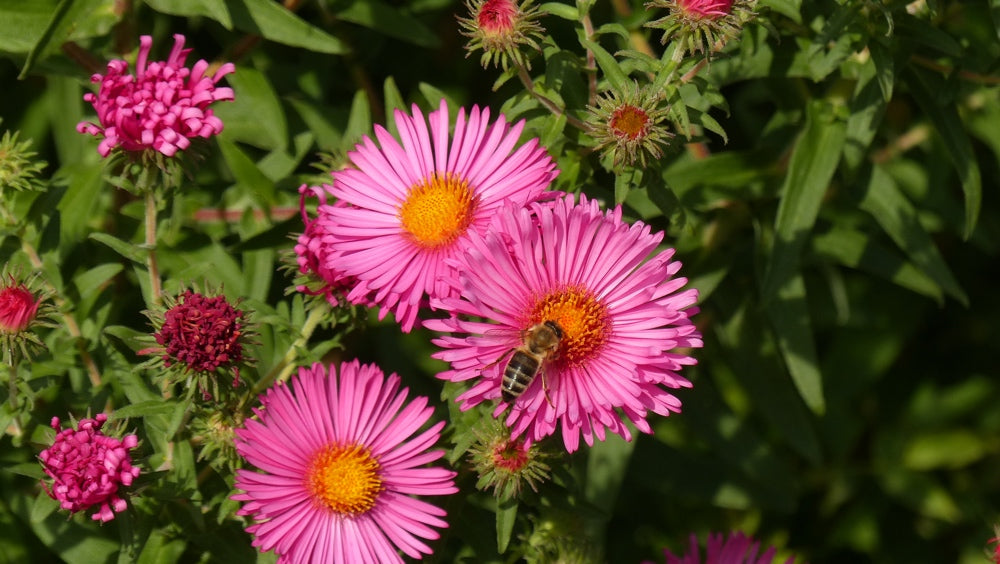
[283,369]
[68,320]
[529,85]
[156,290]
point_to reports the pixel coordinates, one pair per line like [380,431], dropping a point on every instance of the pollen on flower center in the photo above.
[629,121]
[583,319]
[438,210]
[344,479]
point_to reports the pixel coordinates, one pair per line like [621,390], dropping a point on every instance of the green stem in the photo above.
[529,85]
[156,289]
[68,320]
[283,369]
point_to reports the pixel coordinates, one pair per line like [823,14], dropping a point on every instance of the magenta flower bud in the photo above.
[160,108]
[88,468]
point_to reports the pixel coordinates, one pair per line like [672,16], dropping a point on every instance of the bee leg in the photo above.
[545,391]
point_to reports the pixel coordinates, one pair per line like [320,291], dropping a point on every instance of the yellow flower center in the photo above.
[344,479]
[629,121]
[438,210]
[583,319]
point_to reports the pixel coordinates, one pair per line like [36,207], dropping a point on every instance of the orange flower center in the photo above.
[583,319]
[438,210]
[344,479]
[629,121]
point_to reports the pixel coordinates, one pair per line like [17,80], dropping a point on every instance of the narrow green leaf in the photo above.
[609,65]
[272,21]
[393,101]
[95,278]
[506,517]
[789,314]
[256,116]
[607,463]
[254,183]
[944,115]
[212,9]
[855,249]
[950,449]
[359,123]
[80,201]
[390,20]
[867,107]
[744,334]
[789,8]
[151,408]
[897,216]
[995,13]
[29,469]
[564,11]
[813,162]
[23,23]
[132,252]
[71,20]
[43,507]
[131,338]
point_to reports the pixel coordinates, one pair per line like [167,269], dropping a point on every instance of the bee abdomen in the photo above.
[518,375]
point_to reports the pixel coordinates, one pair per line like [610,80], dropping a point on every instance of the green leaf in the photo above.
[132,252]
[951,449]
[867,106]
[943,113]
[131,338]
[790,8]
[897,216]
[23,23]
[506,517]
[212,9]
[559,10]
[390,20]
[272,21]
[71,20]
[359,124]
[609,65]
[94,279]
[607,462]
[789,314]
[250,180]
[79,204]
[151,408]
[29,469]
[746,339]
[995,13]
[857,250]
[813,162]
[255,116]
[43,507]
[393,101]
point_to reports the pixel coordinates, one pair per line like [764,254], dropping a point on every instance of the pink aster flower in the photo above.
[737,548]
[88,467]
[411,205]
[320,275]
[162,107]
[620,309]
[339,462]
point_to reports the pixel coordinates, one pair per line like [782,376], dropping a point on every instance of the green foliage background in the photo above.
[838,211]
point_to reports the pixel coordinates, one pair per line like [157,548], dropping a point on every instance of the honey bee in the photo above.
[540,344]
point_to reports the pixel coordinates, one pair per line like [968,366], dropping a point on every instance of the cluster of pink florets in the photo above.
[88,468]
[161,107]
